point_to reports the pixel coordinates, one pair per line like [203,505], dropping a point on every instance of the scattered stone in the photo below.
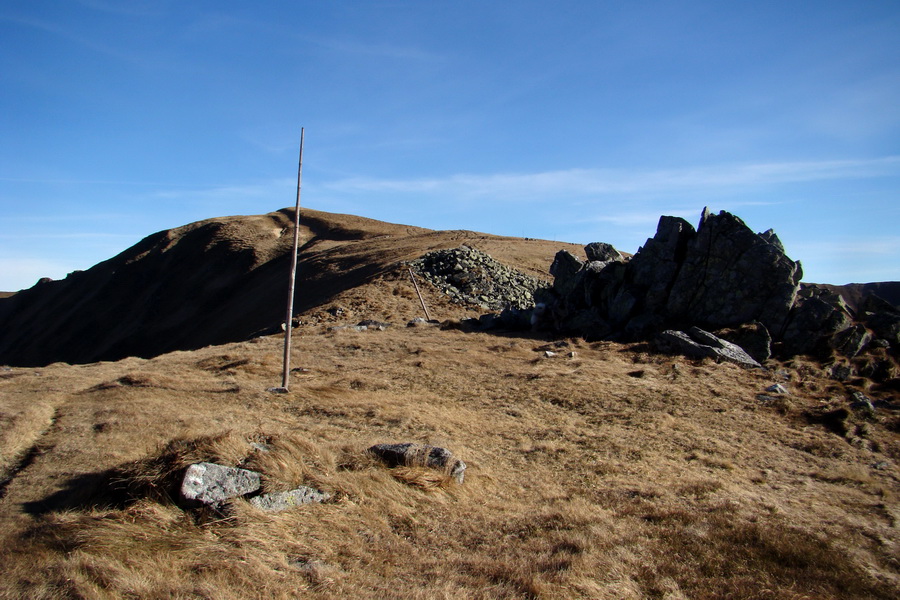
[420,455]
[279,501]
[571,354]
[277,390]
[841,372]
[211,484]
[349,328]
[881,465]
[778,389]
[549,353]
[372,324]
[862,403]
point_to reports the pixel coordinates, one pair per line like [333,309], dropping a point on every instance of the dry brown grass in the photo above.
[585,479]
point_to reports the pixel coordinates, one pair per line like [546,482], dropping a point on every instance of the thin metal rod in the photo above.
[422,300]
[288,320]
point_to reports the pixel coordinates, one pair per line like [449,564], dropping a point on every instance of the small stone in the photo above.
[549,353]
[777,389]
[279,501]
[862,403]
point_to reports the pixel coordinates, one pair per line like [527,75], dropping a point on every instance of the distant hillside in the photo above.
[853,293]
[221,280]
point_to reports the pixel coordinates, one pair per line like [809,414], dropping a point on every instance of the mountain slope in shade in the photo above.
[222,280]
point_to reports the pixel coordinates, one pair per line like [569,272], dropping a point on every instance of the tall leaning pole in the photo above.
[288,320]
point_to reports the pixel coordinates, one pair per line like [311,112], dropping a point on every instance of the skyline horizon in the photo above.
[579,122]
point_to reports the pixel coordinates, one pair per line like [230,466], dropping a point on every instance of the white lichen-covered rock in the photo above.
[279,501]
[211,484]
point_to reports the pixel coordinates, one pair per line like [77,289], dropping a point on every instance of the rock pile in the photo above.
[470,276]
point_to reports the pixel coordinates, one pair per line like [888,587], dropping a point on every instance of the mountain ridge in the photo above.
[220,280]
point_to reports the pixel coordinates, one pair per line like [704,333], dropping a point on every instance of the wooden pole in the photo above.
[421,300]
[288,320]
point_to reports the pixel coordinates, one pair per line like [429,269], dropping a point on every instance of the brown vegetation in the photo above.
[613,472]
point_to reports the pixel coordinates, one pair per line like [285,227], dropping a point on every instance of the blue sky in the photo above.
[572,121]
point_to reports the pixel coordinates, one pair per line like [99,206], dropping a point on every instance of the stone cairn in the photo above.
[470,276]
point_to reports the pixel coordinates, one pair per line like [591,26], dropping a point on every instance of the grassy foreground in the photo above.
[613,473]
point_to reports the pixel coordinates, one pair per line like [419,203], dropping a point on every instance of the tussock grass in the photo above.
[584,479]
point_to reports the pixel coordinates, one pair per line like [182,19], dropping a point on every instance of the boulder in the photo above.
[815,319]
[603,252]
[211,484]
[698,343]
[851,341]
[753,337]
[420,455]
[564,269]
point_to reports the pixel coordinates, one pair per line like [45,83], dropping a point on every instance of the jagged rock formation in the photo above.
[721,277]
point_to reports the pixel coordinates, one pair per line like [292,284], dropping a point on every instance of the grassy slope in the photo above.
[611,474]
[220,280]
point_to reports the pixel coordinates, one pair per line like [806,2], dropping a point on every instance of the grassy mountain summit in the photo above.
[223,280]
[595,469]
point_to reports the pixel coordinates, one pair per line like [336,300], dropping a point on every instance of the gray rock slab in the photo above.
[420,455]
[279,501]
[702,344]
[209,483]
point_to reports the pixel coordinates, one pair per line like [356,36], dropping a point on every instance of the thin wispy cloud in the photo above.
[592,182]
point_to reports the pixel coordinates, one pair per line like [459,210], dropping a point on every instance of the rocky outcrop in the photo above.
[720,277]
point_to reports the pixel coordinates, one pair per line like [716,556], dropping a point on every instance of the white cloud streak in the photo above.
[593,182]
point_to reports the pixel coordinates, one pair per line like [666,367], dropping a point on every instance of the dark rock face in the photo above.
[719,275]
[722,277]
[731,275]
